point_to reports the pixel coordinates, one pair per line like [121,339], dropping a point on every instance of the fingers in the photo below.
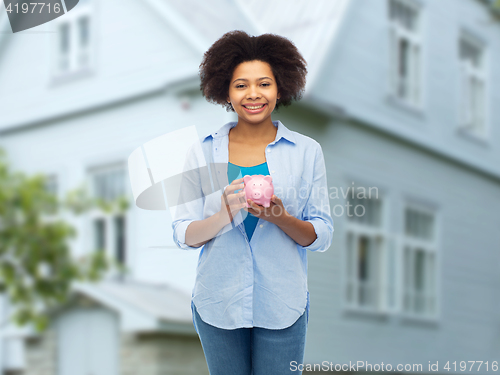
[236,207]
[230,189]
[235,198]
[234,202]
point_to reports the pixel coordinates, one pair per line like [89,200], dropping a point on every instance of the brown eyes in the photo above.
[264,84]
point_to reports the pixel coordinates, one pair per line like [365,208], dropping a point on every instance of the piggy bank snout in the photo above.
[256,193]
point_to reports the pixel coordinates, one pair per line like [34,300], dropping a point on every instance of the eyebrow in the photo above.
[243,79]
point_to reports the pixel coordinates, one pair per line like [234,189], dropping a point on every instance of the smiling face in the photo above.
[253,84]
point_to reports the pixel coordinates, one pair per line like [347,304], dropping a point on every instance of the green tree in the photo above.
[36,264]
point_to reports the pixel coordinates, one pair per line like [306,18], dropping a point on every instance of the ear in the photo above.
[247,178]
[268,179]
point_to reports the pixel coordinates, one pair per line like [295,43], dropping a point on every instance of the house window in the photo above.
[405,51]
[419,263]
[74,40]
[109,229]
[51,184]
[472,86]
[365,254]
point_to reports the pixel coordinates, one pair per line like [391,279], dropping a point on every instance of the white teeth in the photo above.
[255,107]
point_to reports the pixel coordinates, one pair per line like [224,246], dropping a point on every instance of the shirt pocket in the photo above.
[296,194]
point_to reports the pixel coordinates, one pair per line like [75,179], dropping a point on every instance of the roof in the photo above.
[161,301]
[142,307]
[310,28]
[200,24]
[313,29]
[208,20]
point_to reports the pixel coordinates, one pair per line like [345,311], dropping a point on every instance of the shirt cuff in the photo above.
[180,235]
[324,235]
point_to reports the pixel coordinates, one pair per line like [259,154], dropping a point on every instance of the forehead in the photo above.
[253,70]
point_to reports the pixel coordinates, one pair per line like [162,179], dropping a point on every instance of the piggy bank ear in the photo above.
[247,178]
[268,179]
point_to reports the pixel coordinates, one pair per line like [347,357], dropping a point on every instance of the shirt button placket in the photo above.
[269,150]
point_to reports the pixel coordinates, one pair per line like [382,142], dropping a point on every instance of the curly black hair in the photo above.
[235,47]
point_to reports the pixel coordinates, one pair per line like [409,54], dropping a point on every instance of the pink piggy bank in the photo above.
[259,188]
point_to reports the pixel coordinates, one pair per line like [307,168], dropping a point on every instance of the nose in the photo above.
[253,92]
[257,194]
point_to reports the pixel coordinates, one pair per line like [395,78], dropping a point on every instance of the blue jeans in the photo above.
[252,351]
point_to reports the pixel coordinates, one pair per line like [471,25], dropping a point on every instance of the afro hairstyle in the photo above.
[236,47]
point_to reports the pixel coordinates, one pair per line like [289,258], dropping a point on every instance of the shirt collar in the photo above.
[283,132]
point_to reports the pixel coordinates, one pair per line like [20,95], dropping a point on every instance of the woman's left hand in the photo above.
[275,213]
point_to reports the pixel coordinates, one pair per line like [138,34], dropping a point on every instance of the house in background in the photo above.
[400,95]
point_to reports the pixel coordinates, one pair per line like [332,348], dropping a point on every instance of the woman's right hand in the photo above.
[232,202]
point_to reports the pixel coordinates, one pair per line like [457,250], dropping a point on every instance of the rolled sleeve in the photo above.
[190,203]
[185,215]
[317,208]
[180,228]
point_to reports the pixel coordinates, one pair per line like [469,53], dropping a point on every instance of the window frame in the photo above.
[429,247]
[377,233]
[481,74]
[95,214]
[71,19]
[415,40]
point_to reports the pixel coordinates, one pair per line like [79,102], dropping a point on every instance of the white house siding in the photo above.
[468,212]
[135,50]
[356,76]
[108,136]
[138,54]
[88,342]
[62,350]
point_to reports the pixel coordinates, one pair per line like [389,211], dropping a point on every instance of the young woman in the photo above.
[250,302]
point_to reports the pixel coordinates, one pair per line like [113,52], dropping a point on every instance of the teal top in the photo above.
[233,173]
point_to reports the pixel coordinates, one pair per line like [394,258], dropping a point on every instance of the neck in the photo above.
[255,133]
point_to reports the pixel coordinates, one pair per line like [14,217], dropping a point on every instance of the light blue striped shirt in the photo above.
[261,282]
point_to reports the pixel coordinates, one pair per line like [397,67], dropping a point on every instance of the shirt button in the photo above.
[261,225]
[269,151]
[272,171]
